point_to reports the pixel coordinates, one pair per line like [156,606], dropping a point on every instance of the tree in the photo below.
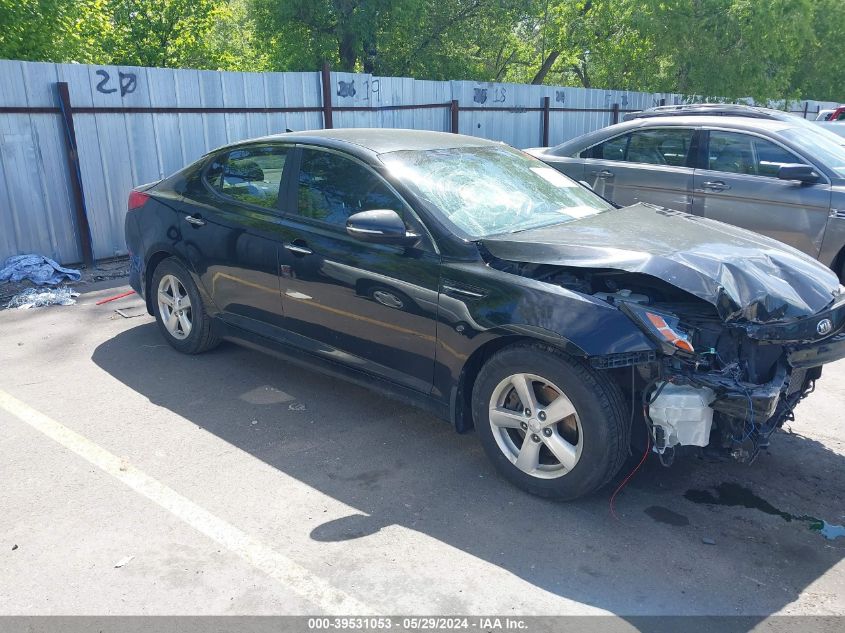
[48,30]
[425,38]
[821,73]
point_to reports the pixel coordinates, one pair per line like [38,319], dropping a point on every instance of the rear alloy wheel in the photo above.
[550,424]
[174,305]
[179,310]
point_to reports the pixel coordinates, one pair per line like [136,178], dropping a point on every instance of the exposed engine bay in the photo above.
[717,385]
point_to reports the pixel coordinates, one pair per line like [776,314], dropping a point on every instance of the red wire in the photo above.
[120,296]
[630,475]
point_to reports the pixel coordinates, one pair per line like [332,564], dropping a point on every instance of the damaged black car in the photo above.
[471,279]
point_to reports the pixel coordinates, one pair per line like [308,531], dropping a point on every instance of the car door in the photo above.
[738,184]
[569,165]
[370,305]
[232,232]
[647,165]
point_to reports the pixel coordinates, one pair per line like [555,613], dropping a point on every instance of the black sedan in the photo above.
[470,278]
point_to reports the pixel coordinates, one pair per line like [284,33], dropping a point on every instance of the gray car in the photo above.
[775,174]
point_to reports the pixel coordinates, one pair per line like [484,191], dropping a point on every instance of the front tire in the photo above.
[549,423]
[179,310]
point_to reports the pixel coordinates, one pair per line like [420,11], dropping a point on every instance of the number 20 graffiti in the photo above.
[126,81]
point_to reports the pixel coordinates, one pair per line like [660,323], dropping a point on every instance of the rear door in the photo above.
[232,232]
[648,165]
[738,184]
[369,305]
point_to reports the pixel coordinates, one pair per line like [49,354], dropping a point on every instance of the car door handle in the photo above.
[604,173]
[298,249]
[715,185]
[195,220]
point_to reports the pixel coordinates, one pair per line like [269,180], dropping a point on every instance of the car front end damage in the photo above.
[740,325]
[727,387]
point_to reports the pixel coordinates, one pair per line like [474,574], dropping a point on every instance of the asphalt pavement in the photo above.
[135,480]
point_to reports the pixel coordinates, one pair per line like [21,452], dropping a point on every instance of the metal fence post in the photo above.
[615,113]
[453,108]
[545,133]
[327,96]
[806,105]
[82,225]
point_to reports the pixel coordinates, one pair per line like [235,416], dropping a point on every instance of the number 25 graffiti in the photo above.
[127,82]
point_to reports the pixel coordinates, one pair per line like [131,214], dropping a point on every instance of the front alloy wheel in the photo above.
[535,425]
[550,423]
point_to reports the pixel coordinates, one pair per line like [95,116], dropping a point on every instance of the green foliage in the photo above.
[780,49]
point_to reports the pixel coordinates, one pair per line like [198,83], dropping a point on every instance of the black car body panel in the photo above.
[423,318]
[747,277]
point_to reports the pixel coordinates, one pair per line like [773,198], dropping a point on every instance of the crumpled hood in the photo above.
[746,276]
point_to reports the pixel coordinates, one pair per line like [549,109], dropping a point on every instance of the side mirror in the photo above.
[587,185]
[802,173]
[380,226]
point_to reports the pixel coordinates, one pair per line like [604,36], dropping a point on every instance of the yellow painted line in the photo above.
[279,567]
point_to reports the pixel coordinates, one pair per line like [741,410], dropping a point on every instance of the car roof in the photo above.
[743,122]
[695,120]
[379,140]
[709,109]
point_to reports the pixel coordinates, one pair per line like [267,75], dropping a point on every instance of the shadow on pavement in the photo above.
[398,465]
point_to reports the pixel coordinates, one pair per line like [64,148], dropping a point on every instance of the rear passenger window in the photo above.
[652,147]
[252,175]
[737,153]
[660,147]
[614,149]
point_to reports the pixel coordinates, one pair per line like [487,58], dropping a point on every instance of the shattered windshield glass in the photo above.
[493,189]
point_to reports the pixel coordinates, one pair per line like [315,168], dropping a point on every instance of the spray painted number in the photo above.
[127,82]
[372,89]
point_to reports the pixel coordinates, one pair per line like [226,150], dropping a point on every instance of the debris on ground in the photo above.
[106,270]
[708,541]
[131,312]
[38,269]
[123,561]
[296,406]
[14,547]
[39,297]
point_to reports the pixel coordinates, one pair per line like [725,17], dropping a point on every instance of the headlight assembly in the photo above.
[663,327]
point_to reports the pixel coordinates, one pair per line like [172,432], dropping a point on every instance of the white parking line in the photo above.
[292,575]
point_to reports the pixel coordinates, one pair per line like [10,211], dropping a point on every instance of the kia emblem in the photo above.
[824,327]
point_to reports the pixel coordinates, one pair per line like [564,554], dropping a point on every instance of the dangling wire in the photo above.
[647,444]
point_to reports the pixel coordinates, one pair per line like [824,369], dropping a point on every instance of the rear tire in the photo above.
[571,438]
[179,310]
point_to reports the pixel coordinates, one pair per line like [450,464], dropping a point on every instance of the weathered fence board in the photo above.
[135,125]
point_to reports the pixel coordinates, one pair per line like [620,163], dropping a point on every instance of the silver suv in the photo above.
[763,170]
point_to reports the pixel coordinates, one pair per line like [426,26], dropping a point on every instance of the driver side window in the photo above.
[737,153]
[330,188]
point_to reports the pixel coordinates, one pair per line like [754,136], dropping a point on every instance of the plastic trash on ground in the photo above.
[38,297]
